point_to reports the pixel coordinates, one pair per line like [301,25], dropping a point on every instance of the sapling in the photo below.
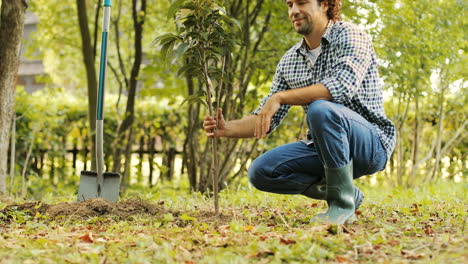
[203,39]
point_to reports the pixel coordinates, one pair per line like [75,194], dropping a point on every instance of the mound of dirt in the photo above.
[89,208]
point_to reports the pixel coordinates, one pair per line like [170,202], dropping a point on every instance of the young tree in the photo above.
[11,33]
[204,41]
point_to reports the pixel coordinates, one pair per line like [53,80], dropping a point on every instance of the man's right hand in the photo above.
[209,125]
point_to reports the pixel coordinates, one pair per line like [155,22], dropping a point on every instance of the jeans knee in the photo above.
[320,113]
[256,174]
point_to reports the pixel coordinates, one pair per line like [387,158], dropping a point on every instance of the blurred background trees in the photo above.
[151,138]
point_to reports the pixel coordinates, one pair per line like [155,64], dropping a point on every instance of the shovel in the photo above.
[98,184]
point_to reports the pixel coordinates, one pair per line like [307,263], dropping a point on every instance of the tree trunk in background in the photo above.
[11,33]
[88,59]
[138,14]
[440,130]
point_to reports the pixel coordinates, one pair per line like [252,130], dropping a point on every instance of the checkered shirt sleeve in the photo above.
[278,85]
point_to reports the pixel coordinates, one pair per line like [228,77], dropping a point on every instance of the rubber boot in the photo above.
[318,191]
[340,195]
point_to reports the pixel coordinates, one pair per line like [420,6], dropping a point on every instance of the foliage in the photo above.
[53,122]
[425,82]
[424,225]
[205,43]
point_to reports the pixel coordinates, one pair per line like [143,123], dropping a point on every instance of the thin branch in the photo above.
[115,22]
[117,77]
[96,24]
[455,138]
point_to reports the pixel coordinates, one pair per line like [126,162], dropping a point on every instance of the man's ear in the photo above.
[324,6]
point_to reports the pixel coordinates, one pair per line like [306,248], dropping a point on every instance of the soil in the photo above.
[90,208]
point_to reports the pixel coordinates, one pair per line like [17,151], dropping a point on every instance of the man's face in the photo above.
[305,14]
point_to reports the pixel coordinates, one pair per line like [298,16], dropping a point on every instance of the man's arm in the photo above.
[304,96]
[242,128]
[299,96]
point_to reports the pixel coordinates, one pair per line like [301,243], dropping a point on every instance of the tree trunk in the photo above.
[151,146]
[415,145]
[189,150]
[126,177]
[88,59]
[141,152]
[138,21]
[11,33]
[26,163]
[440,129]
[12,154]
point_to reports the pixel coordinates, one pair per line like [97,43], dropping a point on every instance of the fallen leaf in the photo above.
[224,245]
[88,238]
[394,243]
[341,259]
[287,241]
[261,254]
[411,254]
[414,208]
[358,212]
[314,205]
[248,228]
[428,230]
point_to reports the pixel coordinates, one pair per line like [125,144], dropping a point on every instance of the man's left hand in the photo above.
[262,125]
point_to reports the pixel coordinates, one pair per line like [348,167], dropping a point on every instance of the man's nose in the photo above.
[294,10]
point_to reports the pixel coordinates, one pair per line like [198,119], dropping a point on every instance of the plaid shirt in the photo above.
[347,66]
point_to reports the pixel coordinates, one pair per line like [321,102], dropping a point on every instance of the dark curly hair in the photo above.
[334,7]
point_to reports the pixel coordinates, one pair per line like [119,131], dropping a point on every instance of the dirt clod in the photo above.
[90,208]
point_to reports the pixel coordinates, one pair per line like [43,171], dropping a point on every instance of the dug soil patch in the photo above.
[85,209]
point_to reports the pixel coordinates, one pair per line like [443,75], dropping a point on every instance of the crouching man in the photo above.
[332,73]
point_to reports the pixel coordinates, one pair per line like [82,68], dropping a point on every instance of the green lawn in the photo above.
[425,225]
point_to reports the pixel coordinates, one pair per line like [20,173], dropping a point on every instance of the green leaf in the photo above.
[166,38]
[175,7]
[183,47]
[232,21]
[189,69]
[194,98]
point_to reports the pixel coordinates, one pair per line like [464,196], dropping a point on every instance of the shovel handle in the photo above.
[99,156]
[103,64]
[100,101]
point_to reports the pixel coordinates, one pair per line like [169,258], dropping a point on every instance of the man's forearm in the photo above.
[304,96]
[242,128]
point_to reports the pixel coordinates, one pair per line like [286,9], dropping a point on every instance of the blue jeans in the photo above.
[340,135]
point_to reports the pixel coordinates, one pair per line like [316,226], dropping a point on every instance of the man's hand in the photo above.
[262,125]
[209,124]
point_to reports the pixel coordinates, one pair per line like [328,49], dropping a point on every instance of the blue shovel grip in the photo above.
[107,3]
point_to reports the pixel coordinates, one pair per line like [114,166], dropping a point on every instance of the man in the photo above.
[332,72]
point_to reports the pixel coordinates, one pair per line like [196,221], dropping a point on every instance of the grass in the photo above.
[424,225]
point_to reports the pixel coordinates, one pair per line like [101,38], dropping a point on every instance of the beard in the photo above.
[305,27]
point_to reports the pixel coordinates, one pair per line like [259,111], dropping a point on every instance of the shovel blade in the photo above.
[89,188]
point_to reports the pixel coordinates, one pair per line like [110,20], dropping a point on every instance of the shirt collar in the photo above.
[301,46]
